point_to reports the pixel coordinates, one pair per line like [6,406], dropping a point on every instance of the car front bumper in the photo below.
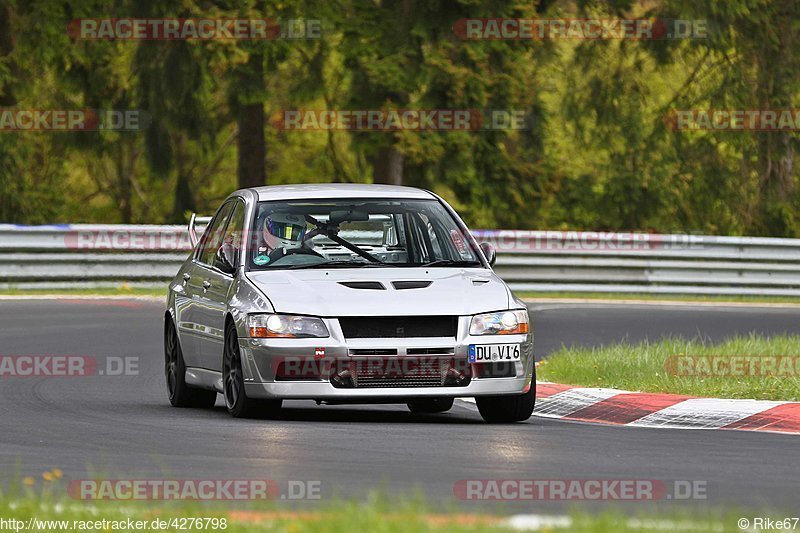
[261,359]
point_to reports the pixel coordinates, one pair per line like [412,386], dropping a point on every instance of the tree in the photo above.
[249,107]
[177,86]
[753,64]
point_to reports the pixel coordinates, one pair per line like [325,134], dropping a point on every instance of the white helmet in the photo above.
[283,230]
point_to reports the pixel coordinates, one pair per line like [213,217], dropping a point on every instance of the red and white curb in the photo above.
[673,411]
[641,409]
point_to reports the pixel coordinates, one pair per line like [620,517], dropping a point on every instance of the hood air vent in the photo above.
[401,285]
[369,285]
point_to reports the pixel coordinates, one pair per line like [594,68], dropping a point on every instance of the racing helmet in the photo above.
[283,230]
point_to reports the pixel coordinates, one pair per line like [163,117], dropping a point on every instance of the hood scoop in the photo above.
[368,285]
[402,285]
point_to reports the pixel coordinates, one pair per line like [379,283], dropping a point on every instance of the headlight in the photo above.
[502,323]
[290,326]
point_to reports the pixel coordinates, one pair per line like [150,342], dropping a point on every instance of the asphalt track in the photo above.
[107,426]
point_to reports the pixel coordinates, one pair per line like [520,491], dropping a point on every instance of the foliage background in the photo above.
[598,154]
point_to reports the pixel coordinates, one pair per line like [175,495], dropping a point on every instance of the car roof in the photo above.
[317,191]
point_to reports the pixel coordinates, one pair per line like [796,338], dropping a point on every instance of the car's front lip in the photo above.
[323,390]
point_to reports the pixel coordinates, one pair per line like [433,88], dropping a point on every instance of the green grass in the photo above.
[376,513]
[658,297]
[109,291]
[643,367]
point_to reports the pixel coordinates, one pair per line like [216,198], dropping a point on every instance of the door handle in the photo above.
[186,277]
[206,285]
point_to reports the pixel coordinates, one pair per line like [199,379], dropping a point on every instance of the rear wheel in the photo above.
[180,394]
[430,405]
[506,409]
[236,400]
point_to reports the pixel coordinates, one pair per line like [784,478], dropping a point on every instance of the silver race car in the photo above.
[345,293]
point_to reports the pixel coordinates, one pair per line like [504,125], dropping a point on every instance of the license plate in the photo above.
[487,353]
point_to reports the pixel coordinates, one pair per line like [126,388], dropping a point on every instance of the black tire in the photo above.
[507,409]
[236,400]
[430,405]
[179,393]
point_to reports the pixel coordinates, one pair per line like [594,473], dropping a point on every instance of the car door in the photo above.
[191,321]
[215,285]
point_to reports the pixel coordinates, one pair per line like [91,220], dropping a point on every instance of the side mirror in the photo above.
[225,258]
[489,251]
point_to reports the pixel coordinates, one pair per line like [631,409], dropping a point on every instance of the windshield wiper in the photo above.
[334,264]
[332,232]
[450,262]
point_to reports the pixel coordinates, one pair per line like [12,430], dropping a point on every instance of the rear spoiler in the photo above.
[193,222]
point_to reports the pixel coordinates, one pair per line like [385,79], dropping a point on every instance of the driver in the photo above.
[282,234]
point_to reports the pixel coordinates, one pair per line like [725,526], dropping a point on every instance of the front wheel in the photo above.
[430,405]
[507,409]
[236,400]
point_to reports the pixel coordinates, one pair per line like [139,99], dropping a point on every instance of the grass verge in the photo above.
[104,291]
[657,297]
[742,367]
[380,514]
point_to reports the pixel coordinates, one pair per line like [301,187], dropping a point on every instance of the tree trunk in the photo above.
[777,166]
[388,166]
[125,190]
[250,142]
[777,76]
[7,97]
[184,199]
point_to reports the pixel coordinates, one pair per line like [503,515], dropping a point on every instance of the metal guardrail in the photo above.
[544,261]
[90,255]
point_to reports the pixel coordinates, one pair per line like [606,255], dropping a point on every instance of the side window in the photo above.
[212,238]
[235,230]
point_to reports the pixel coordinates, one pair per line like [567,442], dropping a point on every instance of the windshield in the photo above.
[357,233]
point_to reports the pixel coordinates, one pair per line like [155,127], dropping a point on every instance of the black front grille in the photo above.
[398,326]
[373,373]
[431,351]
[373,351]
